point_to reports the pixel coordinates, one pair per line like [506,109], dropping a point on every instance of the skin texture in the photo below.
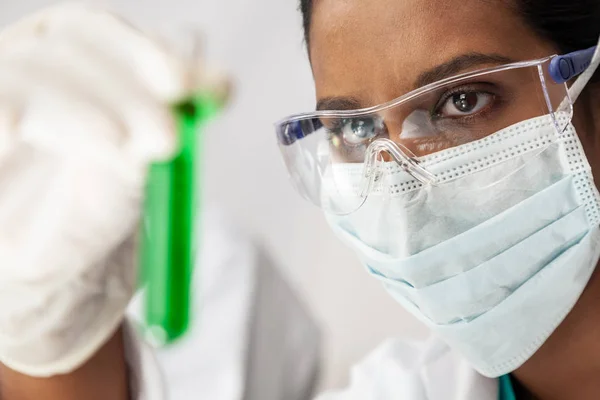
[373,51]
[103,377]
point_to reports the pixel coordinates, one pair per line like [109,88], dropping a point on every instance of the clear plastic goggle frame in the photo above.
[432,119]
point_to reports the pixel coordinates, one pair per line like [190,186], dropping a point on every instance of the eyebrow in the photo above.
[339,103]
[458,64]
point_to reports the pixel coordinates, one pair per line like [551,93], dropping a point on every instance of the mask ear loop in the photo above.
[581,82]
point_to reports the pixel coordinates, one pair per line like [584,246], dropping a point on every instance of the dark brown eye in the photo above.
[464,104]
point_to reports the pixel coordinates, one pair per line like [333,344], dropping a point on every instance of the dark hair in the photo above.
[569,24]
[306,10]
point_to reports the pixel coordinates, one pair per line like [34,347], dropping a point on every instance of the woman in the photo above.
[468,194]
[477,208]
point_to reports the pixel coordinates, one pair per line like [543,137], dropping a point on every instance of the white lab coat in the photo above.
[252,339]
[397,370]
[416,371]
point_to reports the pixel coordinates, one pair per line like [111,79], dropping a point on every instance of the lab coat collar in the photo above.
[447,376]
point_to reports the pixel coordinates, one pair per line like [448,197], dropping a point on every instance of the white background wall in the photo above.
[260,43]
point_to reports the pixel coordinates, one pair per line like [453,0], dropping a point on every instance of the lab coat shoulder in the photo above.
[410,370]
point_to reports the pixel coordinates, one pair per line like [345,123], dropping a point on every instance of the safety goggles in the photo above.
[336,158]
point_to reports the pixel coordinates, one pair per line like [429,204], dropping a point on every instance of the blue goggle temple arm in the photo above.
[564,68]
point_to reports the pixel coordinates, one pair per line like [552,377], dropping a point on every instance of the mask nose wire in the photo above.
[401,155]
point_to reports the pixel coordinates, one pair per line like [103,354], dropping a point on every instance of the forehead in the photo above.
[374,50]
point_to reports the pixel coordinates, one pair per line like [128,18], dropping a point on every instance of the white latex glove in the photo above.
[84,107]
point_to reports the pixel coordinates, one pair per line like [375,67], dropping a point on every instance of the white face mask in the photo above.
[492,270]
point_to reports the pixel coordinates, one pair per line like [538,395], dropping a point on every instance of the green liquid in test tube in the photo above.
[169,236]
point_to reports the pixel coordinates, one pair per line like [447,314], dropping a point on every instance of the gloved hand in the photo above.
[84,108]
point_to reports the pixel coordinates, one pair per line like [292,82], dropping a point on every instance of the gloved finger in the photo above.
[158,69]
[187,44]
[218,84]
[46,199]
[112,61]
[142,127]
[62,170]
[44,104]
